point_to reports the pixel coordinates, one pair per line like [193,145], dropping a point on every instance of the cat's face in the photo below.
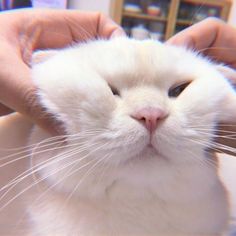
[132,101]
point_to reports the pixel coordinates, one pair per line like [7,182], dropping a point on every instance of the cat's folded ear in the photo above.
[229,102]
[228,73]
[227,113]
[42,55]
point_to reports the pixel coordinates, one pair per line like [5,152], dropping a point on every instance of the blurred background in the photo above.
[157,19]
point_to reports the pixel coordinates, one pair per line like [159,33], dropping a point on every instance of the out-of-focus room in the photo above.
[156,19]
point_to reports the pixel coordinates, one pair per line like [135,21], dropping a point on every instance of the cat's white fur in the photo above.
[112,182]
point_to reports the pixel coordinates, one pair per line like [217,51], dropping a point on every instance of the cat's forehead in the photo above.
[125,62]
[134,62]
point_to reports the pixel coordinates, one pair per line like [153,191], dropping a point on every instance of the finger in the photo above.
[57,29]
[198,36]
[108,28]
[4,110]
[29,30]
[118,33]
[18,92]
[211,36]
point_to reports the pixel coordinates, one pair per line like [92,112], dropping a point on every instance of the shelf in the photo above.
[218,3]
[184,22]
[170,21]
[143,16]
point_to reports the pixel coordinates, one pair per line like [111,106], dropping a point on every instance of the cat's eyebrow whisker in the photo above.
[30,186]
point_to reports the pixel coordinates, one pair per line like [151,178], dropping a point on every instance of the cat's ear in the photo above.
[42,55]
[228,73]
[229,102]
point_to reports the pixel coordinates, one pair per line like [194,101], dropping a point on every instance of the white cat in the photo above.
[139,116]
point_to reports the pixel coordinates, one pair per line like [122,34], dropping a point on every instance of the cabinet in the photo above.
[166,17]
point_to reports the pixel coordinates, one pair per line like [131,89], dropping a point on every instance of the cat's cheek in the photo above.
[174,136]
[91,114]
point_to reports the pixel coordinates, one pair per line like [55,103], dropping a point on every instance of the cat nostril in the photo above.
[149,116]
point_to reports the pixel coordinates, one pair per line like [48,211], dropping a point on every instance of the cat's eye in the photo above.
[175,91]
[114,90]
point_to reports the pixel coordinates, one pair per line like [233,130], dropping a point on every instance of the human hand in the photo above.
[217,40]
[212,37]
[22,32]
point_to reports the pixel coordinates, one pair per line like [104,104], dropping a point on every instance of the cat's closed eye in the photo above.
[114,90]
[175,91]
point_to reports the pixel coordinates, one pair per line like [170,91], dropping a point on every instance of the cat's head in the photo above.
[133,101]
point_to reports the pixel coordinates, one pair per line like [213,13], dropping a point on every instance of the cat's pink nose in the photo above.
[149,116]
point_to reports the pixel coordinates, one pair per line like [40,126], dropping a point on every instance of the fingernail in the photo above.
[179,40]
[118,33]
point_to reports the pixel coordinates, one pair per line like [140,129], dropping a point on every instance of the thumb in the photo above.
[18,92]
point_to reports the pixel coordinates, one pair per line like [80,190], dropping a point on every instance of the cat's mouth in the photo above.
[149,151]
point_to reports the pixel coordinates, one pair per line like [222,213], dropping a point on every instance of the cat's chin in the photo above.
[149,152]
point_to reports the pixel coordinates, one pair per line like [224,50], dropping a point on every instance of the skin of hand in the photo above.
[217,40]
[212,37]
[22,32]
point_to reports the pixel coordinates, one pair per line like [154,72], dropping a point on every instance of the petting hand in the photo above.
[212,37]
[22,32]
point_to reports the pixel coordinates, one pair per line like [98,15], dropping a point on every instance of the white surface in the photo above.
[91,5]
[228,174]
[232,17]
[61,4]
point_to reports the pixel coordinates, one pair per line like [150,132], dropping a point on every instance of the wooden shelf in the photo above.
[143,16]
[214,3]
[184,22]
[171,20]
